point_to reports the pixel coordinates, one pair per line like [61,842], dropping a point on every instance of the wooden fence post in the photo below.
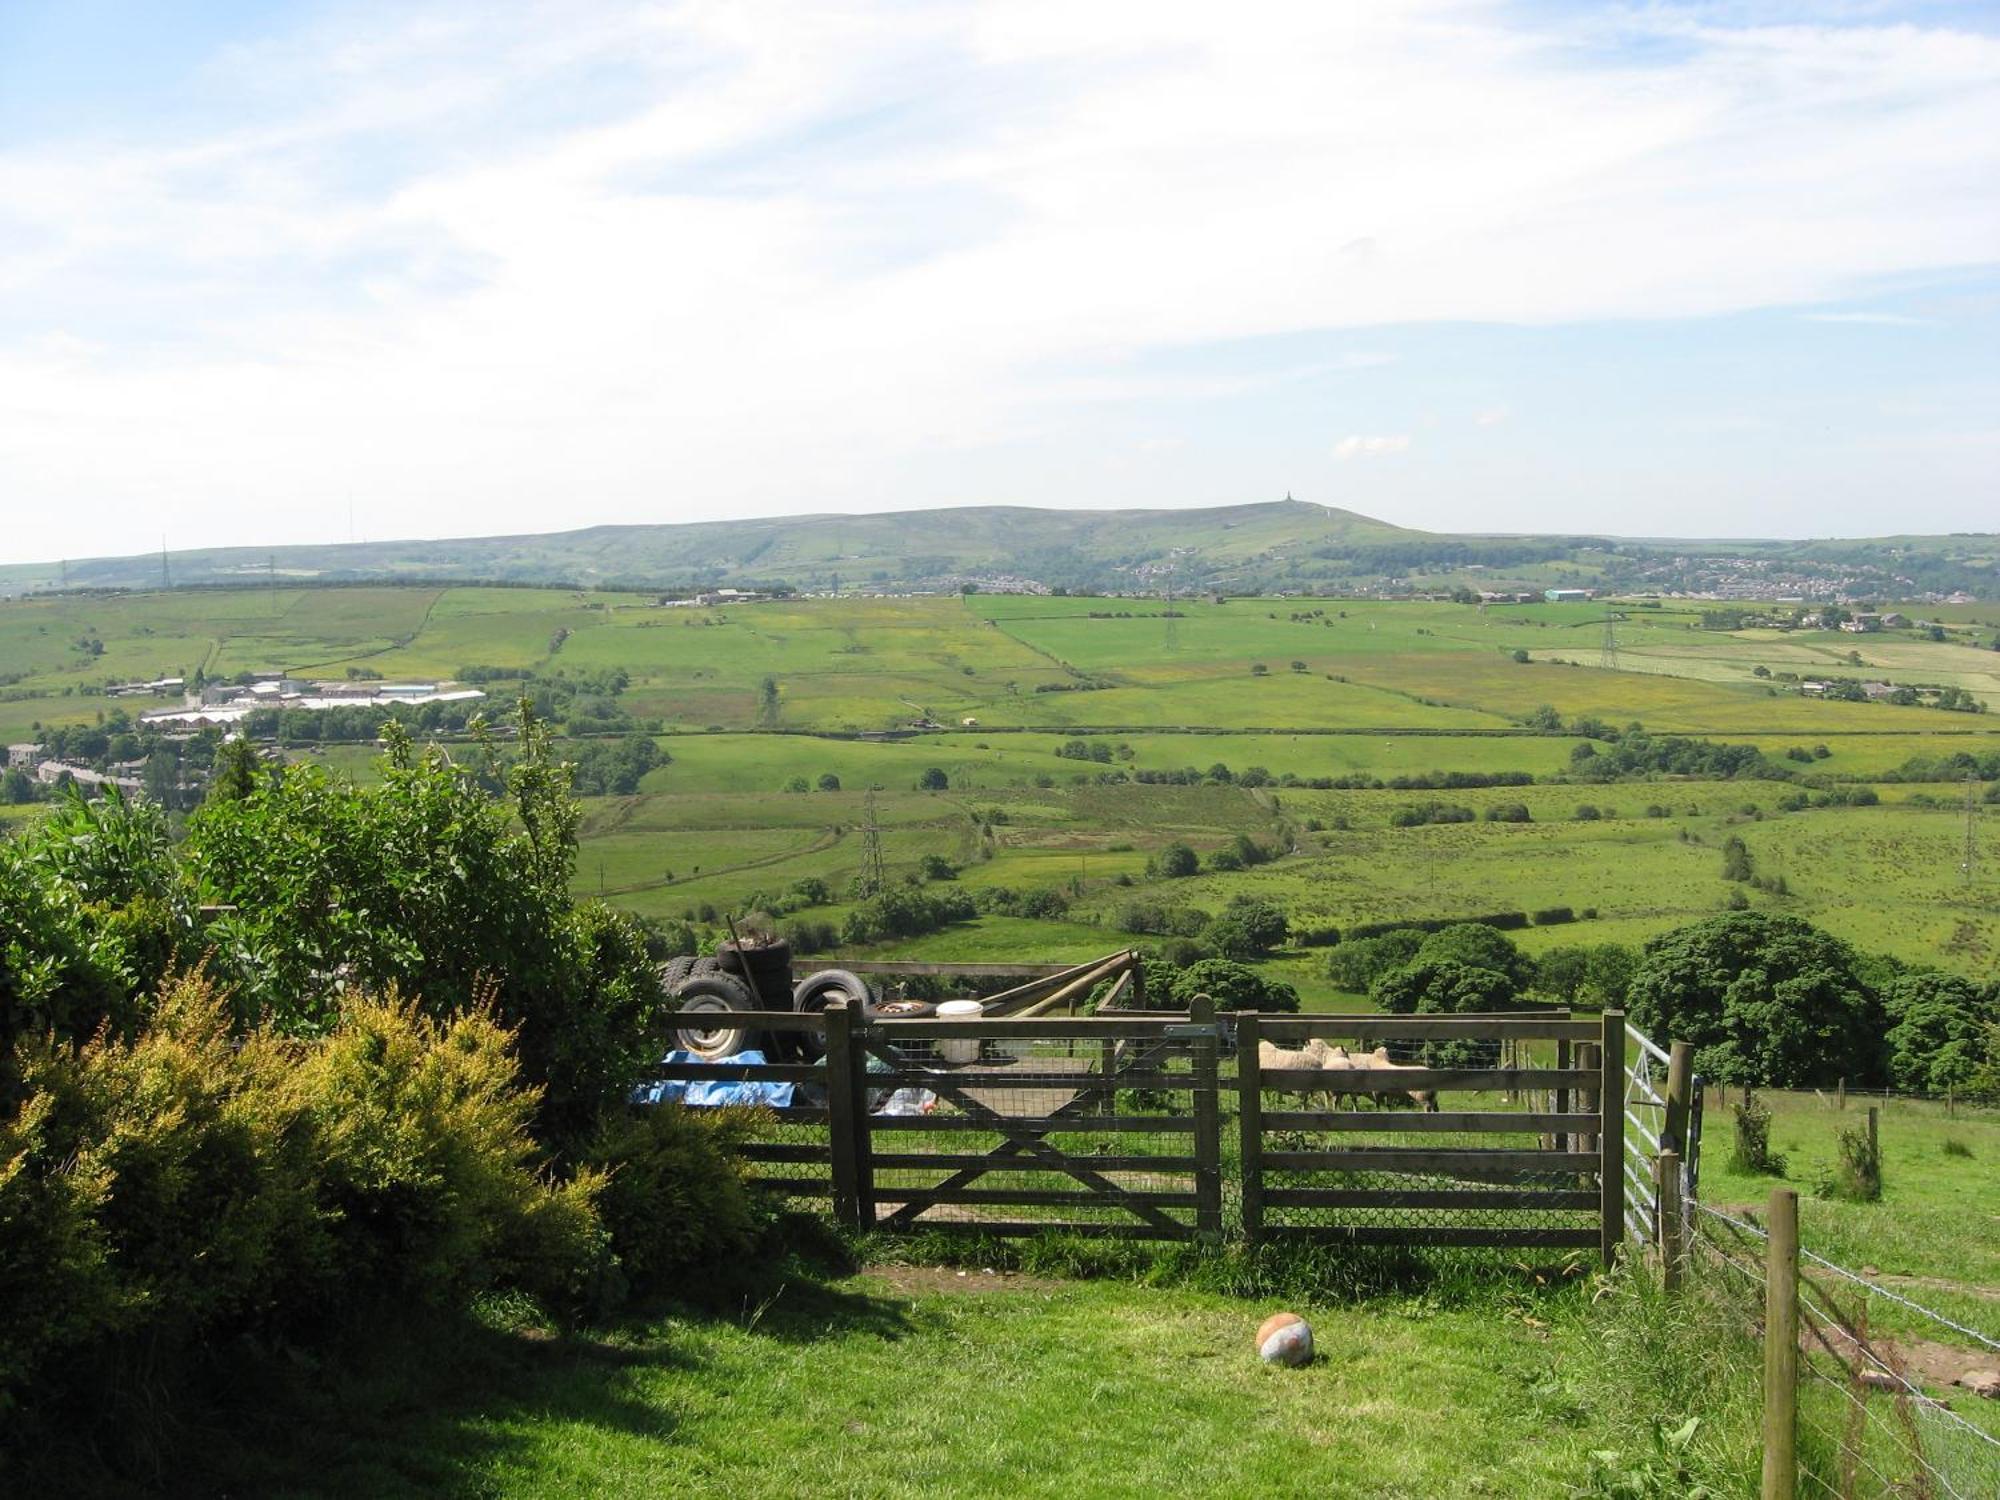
[843,1127]
[1781,1346]
[1611,1134]
[1589,1059]
[1207,1122]
[1250,1117]
[1667,1188]
[1680,1090]
[1874,1149]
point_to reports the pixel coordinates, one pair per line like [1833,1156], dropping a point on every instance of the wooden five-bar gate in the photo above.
[1504,1130]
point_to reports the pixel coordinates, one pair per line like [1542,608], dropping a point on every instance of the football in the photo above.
[1285,1339]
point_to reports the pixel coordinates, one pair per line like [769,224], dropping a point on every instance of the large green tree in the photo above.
[1940,1028]
[1763,999]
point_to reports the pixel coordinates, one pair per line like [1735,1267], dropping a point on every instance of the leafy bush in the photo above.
[1232,986]
[1550,916]
[1357,963]
[906,912]
[1752,1151]
[194,1183]
[674,1198]
[1475,945]
[1247,928]
[811,936]
[1856,1173]
[1176,861]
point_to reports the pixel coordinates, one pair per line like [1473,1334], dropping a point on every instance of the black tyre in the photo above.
[714,996]
[675,971]
[815,990]
[768,967]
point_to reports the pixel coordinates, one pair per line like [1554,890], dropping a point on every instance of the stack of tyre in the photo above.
[746,977]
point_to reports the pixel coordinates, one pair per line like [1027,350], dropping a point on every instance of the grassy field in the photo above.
[1349,687]
[905,1380]
[1935,1235]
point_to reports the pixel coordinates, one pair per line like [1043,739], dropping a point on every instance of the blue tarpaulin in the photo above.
[713,1091]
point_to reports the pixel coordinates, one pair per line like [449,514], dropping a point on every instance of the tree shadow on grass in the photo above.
[407,1404]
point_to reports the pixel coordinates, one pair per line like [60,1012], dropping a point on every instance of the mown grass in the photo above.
[960,1380]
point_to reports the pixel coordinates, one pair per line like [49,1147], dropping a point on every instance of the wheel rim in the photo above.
[709,1041]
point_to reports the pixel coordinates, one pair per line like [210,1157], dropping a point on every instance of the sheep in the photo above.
[1424,1099]
[1311,1057]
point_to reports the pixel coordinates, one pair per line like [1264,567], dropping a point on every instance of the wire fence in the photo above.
[1871,1428]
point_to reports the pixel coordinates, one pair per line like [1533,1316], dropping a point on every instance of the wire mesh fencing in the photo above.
[1870,1414]
[1425,1130]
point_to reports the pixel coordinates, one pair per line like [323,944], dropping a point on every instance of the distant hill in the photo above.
[1286,544]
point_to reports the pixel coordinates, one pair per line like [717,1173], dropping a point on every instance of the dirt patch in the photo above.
[923,1281]
[1927,1364]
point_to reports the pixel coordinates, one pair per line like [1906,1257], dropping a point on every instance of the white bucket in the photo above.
[960,1049]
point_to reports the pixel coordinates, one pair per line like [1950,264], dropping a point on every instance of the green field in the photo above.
[1349,688]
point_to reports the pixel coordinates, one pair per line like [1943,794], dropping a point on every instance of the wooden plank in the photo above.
[1611,1140]
[728,1072]
[1029,1028]
[845,1119]
[915,969]
[905,1198]
[1061,1125]
[1466,1198]
[1333,1027]
[749,1020]
[1073,990]
[1084,1229]
[1417,1159]
[1038,1075]
[1250,1122]
[1544,1239]
[1404,1080]
[951,1160]
[1207,1122]
[1411,1121]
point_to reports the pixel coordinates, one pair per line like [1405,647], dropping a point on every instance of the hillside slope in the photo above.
[1277,545]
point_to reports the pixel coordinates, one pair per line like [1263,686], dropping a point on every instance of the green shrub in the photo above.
[1752,1152]
[427,1164]
[196,1183]
[1856,1173]
[674,1199]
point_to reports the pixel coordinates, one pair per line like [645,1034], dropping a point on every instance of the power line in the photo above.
[872,880]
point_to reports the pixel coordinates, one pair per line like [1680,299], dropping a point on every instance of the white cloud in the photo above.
[1491,417]
[1885,320]
[797,250]
[1370,447]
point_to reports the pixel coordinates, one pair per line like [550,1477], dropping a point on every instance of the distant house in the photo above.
[1862,624]
[22,755]
[1566,596]
[1894,621]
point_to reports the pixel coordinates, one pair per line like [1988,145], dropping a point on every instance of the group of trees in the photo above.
[328,1042]
[1767,1000]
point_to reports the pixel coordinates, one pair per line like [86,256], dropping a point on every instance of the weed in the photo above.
[1856,1174]
[1753,1154]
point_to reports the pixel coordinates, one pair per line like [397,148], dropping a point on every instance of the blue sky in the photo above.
[1653,269]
